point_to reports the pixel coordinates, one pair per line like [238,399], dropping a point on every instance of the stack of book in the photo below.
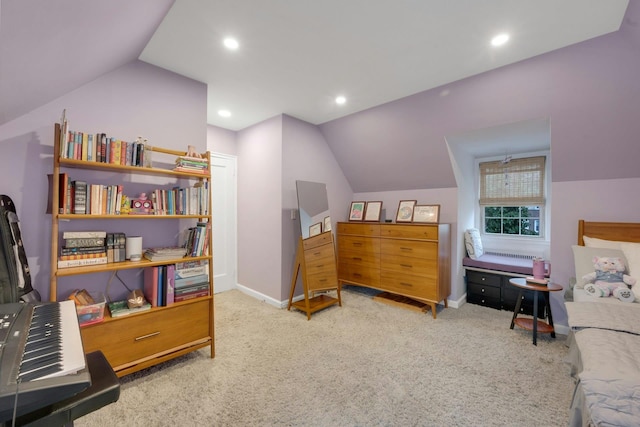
[82,248]
[191,280]
[191,164]
[165,254]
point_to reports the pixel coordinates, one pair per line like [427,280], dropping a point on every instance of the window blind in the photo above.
[519,182]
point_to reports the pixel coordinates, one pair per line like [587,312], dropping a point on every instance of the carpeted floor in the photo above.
[362,364]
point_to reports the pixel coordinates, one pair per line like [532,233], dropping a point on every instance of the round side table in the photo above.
[534,324]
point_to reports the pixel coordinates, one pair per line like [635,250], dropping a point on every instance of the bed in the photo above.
[604,340]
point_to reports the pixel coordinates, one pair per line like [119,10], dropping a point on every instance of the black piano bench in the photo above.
[104,389]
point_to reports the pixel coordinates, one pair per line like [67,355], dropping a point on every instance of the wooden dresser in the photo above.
[412,260]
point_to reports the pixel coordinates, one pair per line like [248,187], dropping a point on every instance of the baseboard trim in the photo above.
[265,298]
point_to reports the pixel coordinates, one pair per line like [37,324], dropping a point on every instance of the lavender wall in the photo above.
[306,157]
[123,103]
[221,140]
[259,208]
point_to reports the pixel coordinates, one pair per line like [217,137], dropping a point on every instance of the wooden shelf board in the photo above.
[526,323]
[316,303]
[401,301]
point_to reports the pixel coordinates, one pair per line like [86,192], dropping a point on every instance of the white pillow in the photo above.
[583,260]
[632,253]
[473,243]
[593,242]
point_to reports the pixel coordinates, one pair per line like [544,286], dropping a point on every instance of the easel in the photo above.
[316,261]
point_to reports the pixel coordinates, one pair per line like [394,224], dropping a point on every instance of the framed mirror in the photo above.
[313,208]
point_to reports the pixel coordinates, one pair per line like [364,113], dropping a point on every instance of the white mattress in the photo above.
[607,337]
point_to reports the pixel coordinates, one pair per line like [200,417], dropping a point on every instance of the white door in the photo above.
[224,224]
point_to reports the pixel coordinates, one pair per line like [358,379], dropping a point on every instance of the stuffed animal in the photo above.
[609,279]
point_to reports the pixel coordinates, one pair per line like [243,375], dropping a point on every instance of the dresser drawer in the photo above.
[409,285]
[483,278]
[409,248]
[128,339]
[362,229]
[327,280]
[359,274]
[320,259]
[427,267]
[488,291]
[427,232]
[359,244]
[363,259]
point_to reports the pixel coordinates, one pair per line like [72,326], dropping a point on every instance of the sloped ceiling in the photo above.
[294,56]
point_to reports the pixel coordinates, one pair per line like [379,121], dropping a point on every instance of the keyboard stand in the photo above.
[104,390]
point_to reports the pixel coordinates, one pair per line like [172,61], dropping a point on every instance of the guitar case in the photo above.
[15,277]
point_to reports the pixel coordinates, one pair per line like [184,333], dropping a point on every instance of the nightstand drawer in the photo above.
[484,300]
[488,291]
[483,278]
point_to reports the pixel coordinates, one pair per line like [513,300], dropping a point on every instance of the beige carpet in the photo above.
[362,364]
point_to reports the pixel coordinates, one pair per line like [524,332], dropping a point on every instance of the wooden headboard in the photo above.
[620,231]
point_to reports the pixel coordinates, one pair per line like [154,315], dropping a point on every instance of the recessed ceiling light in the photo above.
[224,113]
[340,100]
[500,39]
[231,43]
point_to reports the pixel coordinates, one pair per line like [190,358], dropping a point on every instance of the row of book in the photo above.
[102,149]
[182,200]
[168,284]
[197,239]
[79,197]
[91,248]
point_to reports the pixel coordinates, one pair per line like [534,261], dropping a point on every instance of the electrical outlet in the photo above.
[293,214]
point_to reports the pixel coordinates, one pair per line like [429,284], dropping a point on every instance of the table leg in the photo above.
[547,299]
[517,309]
[535,317]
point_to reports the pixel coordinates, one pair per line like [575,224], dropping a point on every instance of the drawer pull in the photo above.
[322,280]
[406,249]
[482,290]
[483,279]
[406,284]
[317,253]
[357,244]
[357,275]
[144,337]
[406,266]
[320,265]
[355,258]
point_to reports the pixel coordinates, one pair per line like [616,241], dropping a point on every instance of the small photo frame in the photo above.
[429,214]
[405,210]
[356,213]
[372,211]
[327,224]
[315,229]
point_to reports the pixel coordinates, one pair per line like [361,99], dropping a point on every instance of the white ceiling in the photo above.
[296,56]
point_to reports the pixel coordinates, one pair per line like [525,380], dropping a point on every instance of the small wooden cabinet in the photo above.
[492,289]
[411,260]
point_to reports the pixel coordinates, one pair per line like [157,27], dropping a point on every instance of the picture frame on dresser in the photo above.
[372,211]
[426,214]
[327,223]
[315,229]
[405,210]
[356,212]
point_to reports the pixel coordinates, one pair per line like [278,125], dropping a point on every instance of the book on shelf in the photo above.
[121,308]
[150,287]
[81,262]
[191,281]
[84,242]
[82,256]
[192,268]
[202,286]
[79,191]
[169,285]
[82,250]
[165,253]
[83,234]
[191,295]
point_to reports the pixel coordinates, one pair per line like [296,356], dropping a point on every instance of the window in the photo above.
[512,196]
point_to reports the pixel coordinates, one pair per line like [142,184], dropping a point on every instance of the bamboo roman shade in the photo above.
[518,182]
